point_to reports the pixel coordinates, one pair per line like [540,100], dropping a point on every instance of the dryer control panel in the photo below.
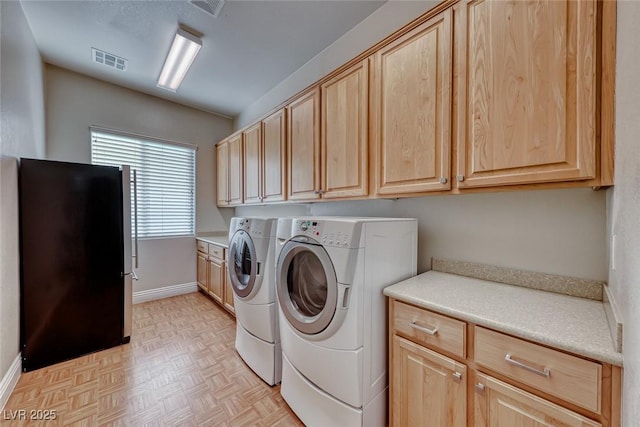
[255,227]
[329,233]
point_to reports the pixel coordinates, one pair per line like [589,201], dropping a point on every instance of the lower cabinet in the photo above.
[428,388]
[228,290]
[213,275]
[497,403]
[497,380]
[216,285]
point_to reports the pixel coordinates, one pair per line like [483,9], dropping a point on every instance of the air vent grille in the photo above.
[212,7]
[108,59]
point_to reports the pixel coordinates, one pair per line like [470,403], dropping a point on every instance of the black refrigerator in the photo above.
[75,265]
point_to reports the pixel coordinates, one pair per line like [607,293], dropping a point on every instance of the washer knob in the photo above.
[304,226]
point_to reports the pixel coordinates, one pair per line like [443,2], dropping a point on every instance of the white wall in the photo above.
[623,209]
[550,231]
[22,130]
[74,102]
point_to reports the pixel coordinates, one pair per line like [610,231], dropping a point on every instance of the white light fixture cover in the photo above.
[183,51]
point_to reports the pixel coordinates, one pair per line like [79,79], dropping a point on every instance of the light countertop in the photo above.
[216,239]
[577,325]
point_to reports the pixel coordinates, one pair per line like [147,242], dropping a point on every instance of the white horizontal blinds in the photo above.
[166,180]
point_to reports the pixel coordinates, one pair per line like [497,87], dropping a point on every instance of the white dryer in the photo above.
[330,274]
[251,265]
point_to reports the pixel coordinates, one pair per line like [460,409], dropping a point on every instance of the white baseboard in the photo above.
[10,380]
[164,292]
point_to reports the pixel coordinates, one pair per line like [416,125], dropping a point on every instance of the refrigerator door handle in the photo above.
[135,219]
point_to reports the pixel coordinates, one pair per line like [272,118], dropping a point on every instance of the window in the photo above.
[165,179]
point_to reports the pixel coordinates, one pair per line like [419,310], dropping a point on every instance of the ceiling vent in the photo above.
[212,7]
[108,59]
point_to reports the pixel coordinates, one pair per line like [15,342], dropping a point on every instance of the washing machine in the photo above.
[251,265]
[330,274]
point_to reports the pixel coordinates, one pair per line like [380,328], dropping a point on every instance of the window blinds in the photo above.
[165,180]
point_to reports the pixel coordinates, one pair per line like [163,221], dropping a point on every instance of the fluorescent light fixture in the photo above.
[183,51]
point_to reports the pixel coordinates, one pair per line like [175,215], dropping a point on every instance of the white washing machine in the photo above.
[251,262]
[330,274]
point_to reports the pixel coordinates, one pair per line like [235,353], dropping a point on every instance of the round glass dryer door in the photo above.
[243,263]
[307,287]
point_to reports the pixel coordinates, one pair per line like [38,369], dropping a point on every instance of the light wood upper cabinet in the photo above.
[526,94]
[235,170]
[428,389]
[500,404]
[345,136]
[274,157]
[303,120]
[252,141]
[222,173]
[412,109]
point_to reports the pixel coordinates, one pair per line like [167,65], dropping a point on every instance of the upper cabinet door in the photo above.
[235,169]
[526,92]
[412,110]
[274,157]
[345,135]
[252,140]
[222,161]
[304,146]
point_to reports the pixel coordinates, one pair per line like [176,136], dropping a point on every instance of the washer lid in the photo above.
[243,263]
[307,287]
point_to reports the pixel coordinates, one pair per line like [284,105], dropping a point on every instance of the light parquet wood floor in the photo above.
[180,369]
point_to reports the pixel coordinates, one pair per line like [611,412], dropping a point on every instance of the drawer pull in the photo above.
[546,372]
[433,331]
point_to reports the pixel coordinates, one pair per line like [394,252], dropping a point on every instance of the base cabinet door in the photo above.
[499,404]
[215,280]
[427,389]
[228,290]
[201,272]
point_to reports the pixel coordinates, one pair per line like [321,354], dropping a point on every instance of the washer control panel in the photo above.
[335,234]
[254,227]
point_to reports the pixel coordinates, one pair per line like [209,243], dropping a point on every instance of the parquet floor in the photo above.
[180,369]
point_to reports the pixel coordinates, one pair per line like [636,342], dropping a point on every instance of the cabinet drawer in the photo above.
[202,246]
[568,377]
[216,251]
[430,328]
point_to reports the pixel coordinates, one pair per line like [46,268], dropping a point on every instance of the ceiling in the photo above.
[248,49]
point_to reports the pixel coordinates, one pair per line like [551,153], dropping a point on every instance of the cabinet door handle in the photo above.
[429,331]
[457,376]
[480,387]
[460,178]
[321,191]
[443,180]
[546,372]
[316,192]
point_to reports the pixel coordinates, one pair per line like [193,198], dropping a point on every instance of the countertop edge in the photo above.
[215,240]
[500,327]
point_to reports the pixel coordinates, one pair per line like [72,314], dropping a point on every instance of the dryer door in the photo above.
[307,287]
[243,264]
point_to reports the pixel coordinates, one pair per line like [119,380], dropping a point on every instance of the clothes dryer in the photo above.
[330,274]
[251,271]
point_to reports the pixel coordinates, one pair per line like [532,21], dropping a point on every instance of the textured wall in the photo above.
[22,128]
[75,102]
[623,208]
